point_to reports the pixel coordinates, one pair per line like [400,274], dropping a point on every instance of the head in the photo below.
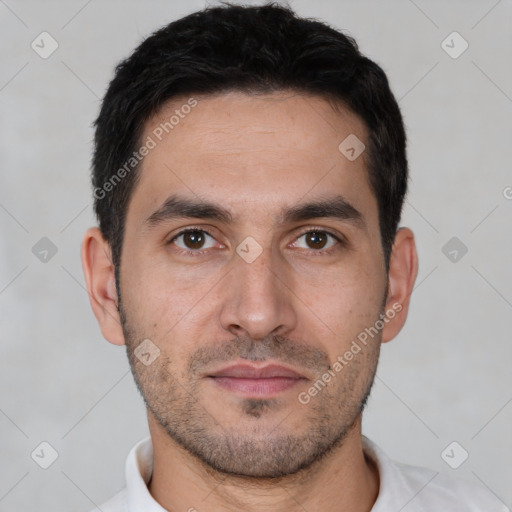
[249,173]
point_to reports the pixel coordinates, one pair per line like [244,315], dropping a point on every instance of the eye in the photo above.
[317,239]
[193,239]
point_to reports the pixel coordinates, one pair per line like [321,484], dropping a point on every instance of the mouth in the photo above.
[255,381]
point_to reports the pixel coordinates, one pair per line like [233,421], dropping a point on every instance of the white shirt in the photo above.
[403,488]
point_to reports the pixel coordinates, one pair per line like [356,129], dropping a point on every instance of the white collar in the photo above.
[401,485]
[139,468]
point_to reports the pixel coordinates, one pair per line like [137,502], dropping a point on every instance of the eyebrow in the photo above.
[179,207]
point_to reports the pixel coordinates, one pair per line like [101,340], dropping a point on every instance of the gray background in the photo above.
[445,378]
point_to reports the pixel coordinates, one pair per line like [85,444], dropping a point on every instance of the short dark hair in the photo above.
[252,49]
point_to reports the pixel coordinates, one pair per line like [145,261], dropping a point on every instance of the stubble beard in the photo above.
[254,448]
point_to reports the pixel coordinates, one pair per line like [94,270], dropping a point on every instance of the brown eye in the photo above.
[316,240]
[193,239]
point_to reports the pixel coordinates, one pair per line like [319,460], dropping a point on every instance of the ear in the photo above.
[101,285]
[403,269]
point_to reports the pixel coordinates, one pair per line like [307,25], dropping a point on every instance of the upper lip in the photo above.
[246,371]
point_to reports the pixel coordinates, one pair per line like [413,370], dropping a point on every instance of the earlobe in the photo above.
[100,282]
[403,269]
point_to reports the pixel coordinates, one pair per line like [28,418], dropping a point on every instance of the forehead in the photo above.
[252,153]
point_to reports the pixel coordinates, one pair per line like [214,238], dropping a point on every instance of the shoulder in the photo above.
[435,490]
[138,469]
[417,489]
[117,503]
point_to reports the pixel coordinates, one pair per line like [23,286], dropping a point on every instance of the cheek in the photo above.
[150,304]
[346,292]
[169,309]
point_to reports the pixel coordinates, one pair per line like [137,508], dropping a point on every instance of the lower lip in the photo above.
[257,387]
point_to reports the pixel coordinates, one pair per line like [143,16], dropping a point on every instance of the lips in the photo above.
[244,371]
[257,382]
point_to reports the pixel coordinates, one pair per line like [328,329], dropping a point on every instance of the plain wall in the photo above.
[445,378]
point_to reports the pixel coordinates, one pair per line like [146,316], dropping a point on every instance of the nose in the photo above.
[257,298]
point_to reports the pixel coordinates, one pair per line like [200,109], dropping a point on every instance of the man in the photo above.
[249,174]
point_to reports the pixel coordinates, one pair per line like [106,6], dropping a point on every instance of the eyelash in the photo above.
[341,241]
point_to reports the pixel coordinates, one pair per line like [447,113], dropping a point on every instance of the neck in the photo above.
[345,479]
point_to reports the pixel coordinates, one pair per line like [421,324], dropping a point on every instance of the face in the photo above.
[279,260]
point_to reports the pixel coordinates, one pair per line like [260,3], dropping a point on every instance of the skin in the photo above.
[300,303]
